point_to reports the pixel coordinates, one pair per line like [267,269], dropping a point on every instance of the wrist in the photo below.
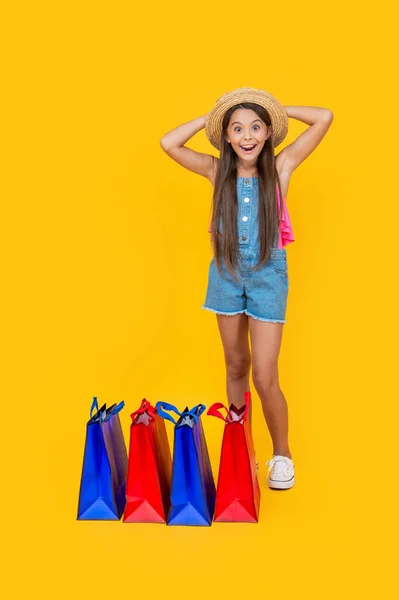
[287,110]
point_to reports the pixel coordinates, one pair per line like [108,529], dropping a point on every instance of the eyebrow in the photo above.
[238,122]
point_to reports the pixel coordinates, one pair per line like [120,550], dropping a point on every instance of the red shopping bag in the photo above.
[238,492]
[149,468]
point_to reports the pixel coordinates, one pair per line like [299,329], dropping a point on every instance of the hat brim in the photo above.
[278,115]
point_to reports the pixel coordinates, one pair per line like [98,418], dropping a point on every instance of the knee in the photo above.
[266,382]
[237,366]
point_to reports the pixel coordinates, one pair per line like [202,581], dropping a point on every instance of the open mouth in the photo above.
[248,149]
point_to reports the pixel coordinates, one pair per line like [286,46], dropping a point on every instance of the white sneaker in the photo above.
[281,474]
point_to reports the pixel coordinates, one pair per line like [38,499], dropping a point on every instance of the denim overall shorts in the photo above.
[260,294]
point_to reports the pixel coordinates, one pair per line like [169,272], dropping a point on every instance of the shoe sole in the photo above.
[281,485]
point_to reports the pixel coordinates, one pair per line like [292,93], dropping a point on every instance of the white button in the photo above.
[246,199]
[245,218]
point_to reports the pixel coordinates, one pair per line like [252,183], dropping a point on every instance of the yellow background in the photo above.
[105,256]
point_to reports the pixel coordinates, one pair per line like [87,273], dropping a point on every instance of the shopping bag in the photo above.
[149,468]
[192,486]
[103,479]
[238,492]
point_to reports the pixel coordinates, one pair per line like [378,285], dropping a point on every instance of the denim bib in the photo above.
[247,214]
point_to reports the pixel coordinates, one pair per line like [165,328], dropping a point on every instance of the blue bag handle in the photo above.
[117,408]
[193,412]
[160,406]
[93,406]
[101,411]
[200,408]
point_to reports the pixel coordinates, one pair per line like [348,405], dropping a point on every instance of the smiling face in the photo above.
[247,134]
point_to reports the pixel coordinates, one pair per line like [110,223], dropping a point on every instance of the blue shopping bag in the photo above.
[193,489]
[103,479]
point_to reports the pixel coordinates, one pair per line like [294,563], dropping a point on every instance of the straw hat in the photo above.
[213,124]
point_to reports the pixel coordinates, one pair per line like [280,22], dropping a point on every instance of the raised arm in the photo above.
[319,120]
[173,144]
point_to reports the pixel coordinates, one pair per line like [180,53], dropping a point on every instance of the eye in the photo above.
[239,128]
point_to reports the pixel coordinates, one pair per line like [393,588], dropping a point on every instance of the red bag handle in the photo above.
[145,407]
[247,398]
[214,412]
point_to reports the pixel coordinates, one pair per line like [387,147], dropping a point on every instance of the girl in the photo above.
[248,276]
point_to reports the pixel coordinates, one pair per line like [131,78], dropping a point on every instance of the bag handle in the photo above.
[198,410]
[195,412]
[162,406]
[247,398]
[114,410]
[96,412]
[93,406]
[213,411]
[145,407]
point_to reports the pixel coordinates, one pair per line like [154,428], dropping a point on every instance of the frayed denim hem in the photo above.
[219,312]
[240,312]
[265,320]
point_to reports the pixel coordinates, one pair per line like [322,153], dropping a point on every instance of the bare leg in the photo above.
[265,344]
[234,333]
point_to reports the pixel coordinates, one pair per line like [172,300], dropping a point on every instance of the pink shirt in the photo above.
[286,234]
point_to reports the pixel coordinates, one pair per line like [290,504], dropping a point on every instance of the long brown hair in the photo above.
[225,205]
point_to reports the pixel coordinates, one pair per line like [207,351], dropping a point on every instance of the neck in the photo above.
[247,173]
[249,169]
